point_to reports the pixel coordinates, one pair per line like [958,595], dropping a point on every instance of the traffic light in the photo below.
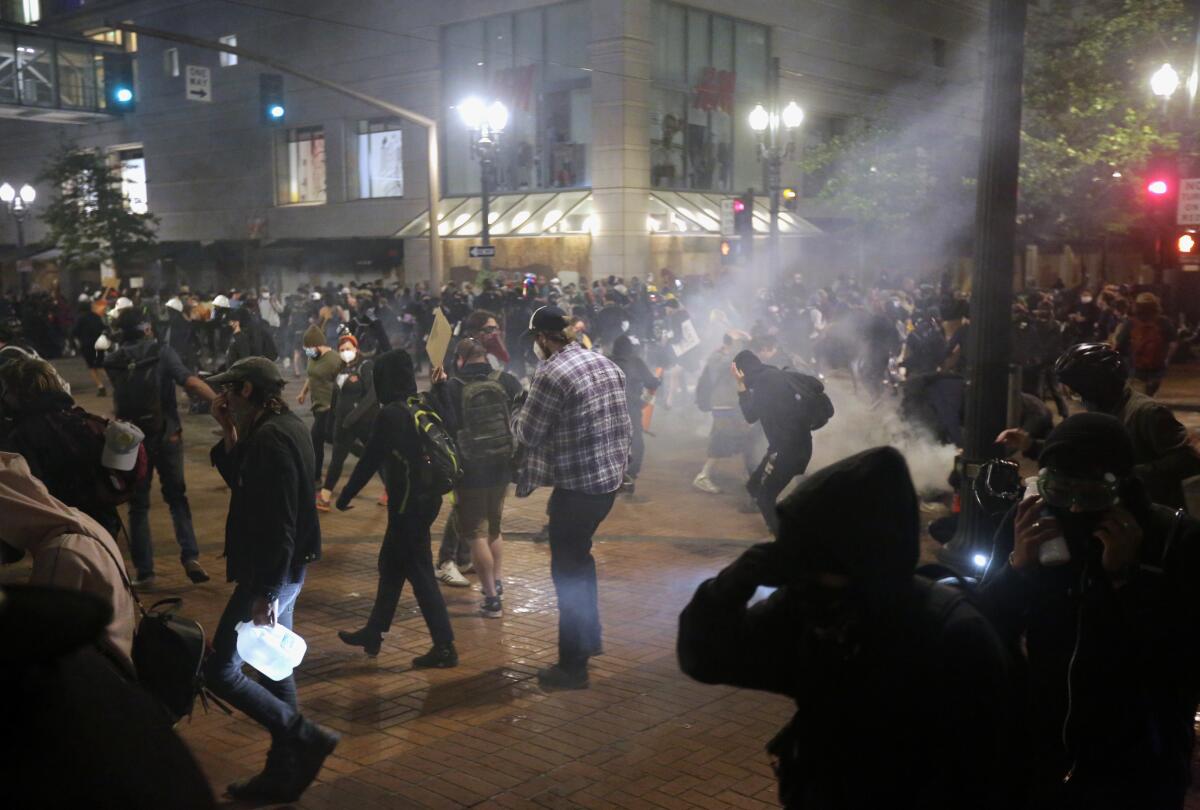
[270,94]
[743,222]
[1158,187]
[1186,245]
[728,254]
[119,90]
[790,199]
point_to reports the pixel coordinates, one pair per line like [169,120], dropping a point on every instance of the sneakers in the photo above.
[311,744]
[366,638]
[442,656]
[491,608]
[449,574]
[102,391]
[499,588]
[195,572]
[705,484]
[143,581]
[467,567]
[556,677]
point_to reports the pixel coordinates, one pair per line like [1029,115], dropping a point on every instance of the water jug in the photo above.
[274,651]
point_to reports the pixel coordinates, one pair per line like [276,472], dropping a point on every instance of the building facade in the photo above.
[628,125]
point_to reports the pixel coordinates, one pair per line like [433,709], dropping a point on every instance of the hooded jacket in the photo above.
[638,377]
[889,651]
[69,549]
[769,398]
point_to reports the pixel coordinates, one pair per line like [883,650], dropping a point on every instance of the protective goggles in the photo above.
[1082,494]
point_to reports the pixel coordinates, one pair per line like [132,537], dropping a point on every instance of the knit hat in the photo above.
[313,337]
[351,339]
[1089,441]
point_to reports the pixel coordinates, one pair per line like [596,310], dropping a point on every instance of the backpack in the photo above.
[437,469]
[810,393]
[168,653]
[82,437]
[1149,344]
[485,435]
[137,395]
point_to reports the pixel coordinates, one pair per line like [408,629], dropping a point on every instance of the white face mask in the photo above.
[538,351]
[313,353]
[348,355]
[624,326]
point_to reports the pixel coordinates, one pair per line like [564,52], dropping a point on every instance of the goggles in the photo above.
[1082,494]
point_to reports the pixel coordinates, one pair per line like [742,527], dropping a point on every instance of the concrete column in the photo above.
[621,53]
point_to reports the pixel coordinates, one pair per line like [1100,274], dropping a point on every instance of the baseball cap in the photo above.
[121,443]
[258,371]
[548,319]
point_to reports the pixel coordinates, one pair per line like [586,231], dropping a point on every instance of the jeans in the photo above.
[271,704]
[166,456]
[774,473]
[637,443]
[574,518]
[454,546]
[406,554]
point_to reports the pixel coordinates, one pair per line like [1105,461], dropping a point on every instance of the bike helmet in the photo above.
[1095,370]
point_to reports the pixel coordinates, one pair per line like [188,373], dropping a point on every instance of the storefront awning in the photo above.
[698,213]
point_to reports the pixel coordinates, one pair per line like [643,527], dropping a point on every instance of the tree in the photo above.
[89,219]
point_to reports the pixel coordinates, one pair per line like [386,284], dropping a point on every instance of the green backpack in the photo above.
[485,435]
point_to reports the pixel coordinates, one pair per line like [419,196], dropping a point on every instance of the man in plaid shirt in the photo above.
[574,431]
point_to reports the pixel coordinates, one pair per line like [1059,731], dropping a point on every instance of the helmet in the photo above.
[314,296]
[220,302]
[84,298]
[122,303]
[1095,370]
[103,344]
[175,304]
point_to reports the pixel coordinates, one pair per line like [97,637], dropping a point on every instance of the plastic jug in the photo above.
[273,650]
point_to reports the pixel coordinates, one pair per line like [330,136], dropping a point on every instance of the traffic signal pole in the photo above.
[430,125]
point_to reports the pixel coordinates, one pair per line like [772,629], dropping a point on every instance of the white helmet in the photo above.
[84,298]
[103,344]
[314,295]
[220,302]
[122,303]
[175,304]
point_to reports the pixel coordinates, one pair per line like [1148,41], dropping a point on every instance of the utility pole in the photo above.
[989,339]
[431,126]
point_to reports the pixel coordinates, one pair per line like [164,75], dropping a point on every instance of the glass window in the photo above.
[535,62]
[35,71]
[380,158]
[706,66]
[76,76]
[229,59]
[8,68]
[171,62]
[130,163]
[25,12]
[113,36]
[302,177]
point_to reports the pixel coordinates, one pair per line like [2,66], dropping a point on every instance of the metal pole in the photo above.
[485,188]
[435,247]
[988,342]
[19,219]
[776,182]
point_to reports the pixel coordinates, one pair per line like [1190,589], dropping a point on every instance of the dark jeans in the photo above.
[166,456]
[774,473]
[337,460]
[637,443]
[406,554]
[320,434]
[574,518]
[271,704]
[454,546]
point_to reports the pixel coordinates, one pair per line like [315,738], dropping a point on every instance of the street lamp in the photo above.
[485,122]
[776,132]
[1164,82]
[18,203]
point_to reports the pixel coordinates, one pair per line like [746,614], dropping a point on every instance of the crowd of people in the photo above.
[1071,678]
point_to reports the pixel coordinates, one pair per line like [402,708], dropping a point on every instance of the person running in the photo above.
[1148,340]
[639,382]
[476,405]
[322,371]
[575,434]
[354,406]
[395,446]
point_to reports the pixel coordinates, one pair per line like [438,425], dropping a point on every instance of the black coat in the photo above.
[272,531]
[769,398]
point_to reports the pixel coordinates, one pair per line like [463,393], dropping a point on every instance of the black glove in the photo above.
[761,564]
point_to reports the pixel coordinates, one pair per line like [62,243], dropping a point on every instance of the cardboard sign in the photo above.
[688,339]
[439,338]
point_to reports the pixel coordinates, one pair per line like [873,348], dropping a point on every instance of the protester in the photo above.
[717,393]
[405,554]
[271,535]
[144,374]
[640,382]
[1148,340]
[87,329]
[575,434]
[477,404]
[322,370]
[861,644]
[1107,632]
[354,407]
[69,550]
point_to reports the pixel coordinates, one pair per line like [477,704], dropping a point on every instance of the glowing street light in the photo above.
[775,145]
[759,119]
[18,203]
[485,122]
[793,116]
[1165,81]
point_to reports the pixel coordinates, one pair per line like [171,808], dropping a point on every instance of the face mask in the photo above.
[312,353]
[1085,300]
[624,326]
[538,351]
[348,355]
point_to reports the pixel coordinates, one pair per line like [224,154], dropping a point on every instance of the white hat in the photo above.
[122,303]
[175,304]
[221,302]
[103,344]
[84,298]
[314,295]
[121,442]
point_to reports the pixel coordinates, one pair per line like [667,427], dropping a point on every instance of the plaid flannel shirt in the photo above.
[574,426]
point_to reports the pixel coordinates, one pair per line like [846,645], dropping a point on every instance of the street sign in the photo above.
[482,251]
[728,227]
[199,83]
[1189,201]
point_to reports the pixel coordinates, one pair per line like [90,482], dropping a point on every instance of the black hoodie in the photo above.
[892,654]
[769,398]
[393,438]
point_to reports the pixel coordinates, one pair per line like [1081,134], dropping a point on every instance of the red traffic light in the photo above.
[1158,187]
[738,205]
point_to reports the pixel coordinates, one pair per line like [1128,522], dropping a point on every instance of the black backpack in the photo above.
[810,394]
[137,395]
[485,435]
[436,470]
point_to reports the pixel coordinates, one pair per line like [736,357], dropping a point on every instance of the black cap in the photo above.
[258,371]
[548,319]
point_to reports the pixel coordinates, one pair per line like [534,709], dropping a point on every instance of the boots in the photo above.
[311,744]
[442,656]
[276,783]
[370,640]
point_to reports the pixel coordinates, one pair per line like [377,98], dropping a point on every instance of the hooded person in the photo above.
[860,643]
[354,405]
[394,450]
[639,383]
[1098,585]
[68,549]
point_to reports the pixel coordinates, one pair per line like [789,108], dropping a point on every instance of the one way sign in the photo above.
[199,83]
